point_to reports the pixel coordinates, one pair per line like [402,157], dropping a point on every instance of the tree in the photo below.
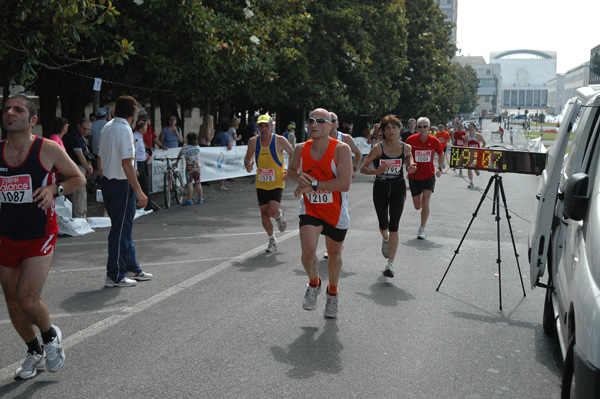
[41,36]
[467,88]
[428,82]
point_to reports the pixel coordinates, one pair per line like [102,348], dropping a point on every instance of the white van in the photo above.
[565,236]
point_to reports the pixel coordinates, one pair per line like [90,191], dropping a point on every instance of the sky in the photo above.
[571,28]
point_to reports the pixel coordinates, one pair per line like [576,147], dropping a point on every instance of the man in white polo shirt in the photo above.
[121,191]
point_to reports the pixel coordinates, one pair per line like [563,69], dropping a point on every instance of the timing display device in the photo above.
[498,161]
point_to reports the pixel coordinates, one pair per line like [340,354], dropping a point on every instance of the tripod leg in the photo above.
[512,236]
[493,178]
[499,260]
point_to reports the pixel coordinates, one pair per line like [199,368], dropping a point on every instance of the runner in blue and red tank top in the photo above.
[28,228]
[322,166]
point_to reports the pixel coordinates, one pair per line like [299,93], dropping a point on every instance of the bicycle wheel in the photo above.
[167,188]
[178,187]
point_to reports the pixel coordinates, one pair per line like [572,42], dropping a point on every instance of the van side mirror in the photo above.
[576,197]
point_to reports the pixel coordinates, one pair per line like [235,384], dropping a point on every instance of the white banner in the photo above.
[216,163]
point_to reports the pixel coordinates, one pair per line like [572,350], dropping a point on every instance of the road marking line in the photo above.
[145,264]
[65,244]
[8,372]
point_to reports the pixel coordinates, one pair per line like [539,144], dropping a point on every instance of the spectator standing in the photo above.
[251,130]
[207,131]
[141,156]
[60,127]
[290,133]
[422,181]
[222,139]
[150,138]
[512,134]
[28,229]
[77,150]
[170,136]
[191,153]
[232,131]
[121,190]
[97,125]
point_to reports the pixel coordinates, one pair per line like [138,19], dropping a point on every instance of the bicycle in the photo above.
[173,183]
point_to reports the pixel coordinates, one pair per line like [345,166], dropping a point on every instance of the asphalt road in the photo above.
[223,319]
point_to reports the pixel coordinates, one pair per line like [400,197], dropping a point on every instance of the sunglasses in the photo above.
[333,120]
[422,127]
[318,121]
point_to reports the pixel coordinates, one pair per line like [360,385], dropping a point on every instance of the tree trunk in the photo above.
[48,100]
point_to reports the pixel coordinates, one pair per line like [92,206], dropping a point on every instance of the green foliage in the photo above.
[47,33]
[351,56]
[428,84]
[467,88]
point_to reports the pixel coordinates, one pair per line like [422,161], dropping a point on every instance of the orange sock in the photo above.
[315,282]
[332,289]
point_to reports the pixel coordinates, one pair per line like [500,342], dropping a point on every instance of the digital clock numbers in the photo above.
[498,161]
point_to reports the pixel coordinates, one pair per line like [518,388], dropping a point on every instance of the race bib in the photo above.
[423,155]
[395,168]
[320,197]
[266,175]
[474,145]
[16,189]
[460,143]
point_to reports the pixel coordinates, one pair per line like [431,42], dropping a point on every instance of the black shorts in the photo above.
[418,186]
[337,235]
[264,196]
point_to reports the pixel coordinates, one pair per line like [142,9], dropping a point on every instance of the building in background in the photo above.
[556,94]
[595,66]
[575,78]
[449,7]
[525,77]
[490,80]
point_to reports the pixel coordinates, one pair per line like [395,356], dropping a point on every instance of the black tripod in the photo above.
[498,189]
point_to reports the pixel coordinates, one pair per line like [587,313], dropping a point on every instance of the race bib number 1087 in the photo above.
[16,189]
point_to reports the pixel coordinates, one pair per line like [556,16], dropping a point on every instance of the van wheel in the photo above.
[569,390]
[548,321]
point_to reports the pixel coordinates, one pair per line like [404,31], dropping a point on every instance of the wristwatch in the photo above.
[314,184]
[60,190]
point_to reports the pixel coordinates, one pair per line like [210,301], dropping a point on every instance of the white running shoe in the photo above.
[32,362]
[272,247]
[385,250]
[310,297]
[471,185]
[389,270]
[55,355]
[125,282]
[281,222]
[141,276]
[331,307]
[421,233]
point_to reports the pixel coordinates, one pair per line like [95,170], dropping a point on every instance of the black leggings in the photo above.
[389,196]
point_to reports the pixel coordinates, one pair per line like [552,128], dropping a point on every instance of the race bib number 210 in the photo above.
[320,197]
[16,189]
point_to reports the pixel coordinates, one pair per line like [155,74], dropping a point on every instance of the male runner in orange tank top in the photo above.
[322,167]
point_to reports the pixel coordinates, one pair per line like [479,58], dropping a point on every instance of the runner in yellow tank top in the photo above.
[266,150]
